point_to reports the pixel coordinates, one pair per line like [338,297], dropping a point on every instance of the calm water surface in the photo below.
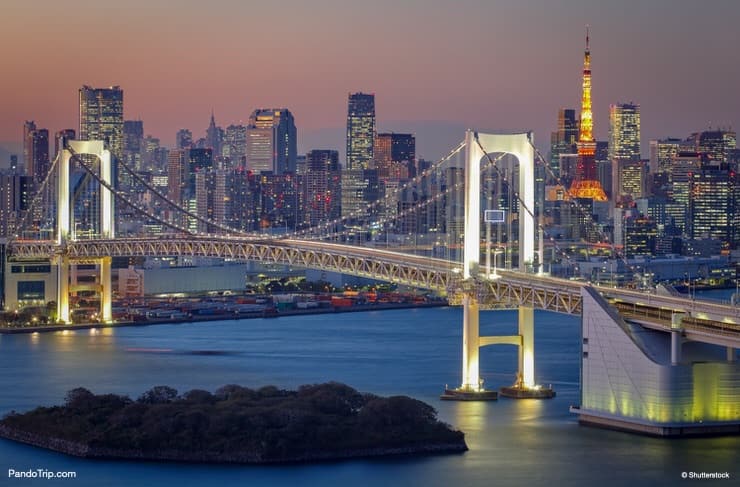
[414,352]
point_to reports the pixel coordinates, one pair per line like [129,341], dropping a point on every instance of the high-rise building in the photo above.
[133,143]
[184,139]
[563,141]
[214,136]
[101,117]
[322,196]
[624,147]
[35,151]
[280,201]
[715,145]
[586,184]
[360,130]
[395,147]
[662,153]
[16,192]
[631,179]
[235,145]
[271,141]
[195,189]
[176,175]
[395,155]
[244,202]
[13,164]
[624,132]
[713,197]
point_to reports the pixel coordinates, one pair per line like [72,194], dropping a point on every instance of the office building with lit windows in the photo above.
[101,117]
[360,130]
[563,141]
[271,141]
[624,147]
[35,151]
[713,204]
[395,155]
[322,187]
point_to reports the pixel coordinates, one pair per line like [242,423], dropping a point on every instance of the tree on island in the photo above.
[236,423]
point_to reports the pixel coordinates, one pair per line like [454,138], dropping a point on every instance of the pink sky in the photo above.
[503,64]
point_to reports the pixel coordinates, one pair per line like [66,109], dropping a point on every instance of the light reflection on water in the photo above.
[412,352]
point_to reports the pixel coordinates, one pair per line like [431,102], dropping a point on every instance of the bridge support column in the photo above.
[106,301]
[63,315]
[525,387]
[526,350]
[472,385]
[471,337]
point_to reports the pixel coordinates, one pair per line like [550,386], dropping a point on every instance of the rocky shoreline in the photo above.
[235,424]
[85,451]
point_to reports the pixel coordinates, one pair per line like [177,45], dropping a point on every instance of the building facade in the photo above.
[101,117]
[360,130]
[271,141]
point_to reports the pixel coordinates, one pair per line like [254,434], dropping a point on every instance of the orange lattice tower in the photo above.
[586,184]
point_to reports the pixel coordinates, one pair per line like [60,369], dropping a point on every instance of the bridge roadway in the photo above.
[711,322]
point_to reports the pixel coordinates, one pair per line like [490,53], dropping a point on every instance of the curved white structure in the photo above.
[64,223]
[477,147]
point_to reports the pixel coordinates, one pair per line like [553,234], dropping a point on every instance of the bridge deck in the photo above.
[712,322]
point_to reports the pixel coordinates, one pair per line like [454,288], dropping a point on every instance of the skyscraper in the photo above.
[624,132]
[214,136]
[271,141]
[101,117]
[624,148]
[235,145]
[15,198]
[322,200]
[715,144]
[395,155]
[360,130]
[713,208]
[662,153]
[35,151]
[586,184]
[133,143]
[184,139]
[564,140]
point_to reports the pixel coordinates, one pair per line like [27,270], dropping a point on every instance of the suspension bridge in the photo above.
[643,324]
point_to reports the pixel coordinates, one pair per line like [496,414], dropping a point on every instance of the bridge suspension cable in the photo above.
[38,195]
[584,211]
[422,204]
[125,199]
[174,205]
[388,197]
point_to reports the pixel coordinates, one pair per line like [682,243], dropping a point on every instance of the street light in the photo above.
[496,252]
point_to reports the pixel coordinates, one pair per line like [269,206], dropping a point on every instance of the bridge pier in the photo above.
[106,301]
[472,385]
[526,349]
[63,315]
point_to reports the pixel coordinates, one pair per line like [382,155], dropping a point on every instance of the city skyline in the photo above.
[436,78]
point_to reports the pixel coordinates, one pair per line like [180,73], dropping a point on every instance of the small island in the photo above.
[235,424]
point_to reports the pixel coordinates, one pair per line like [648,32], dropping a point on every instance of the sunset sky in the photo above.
[435,66]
